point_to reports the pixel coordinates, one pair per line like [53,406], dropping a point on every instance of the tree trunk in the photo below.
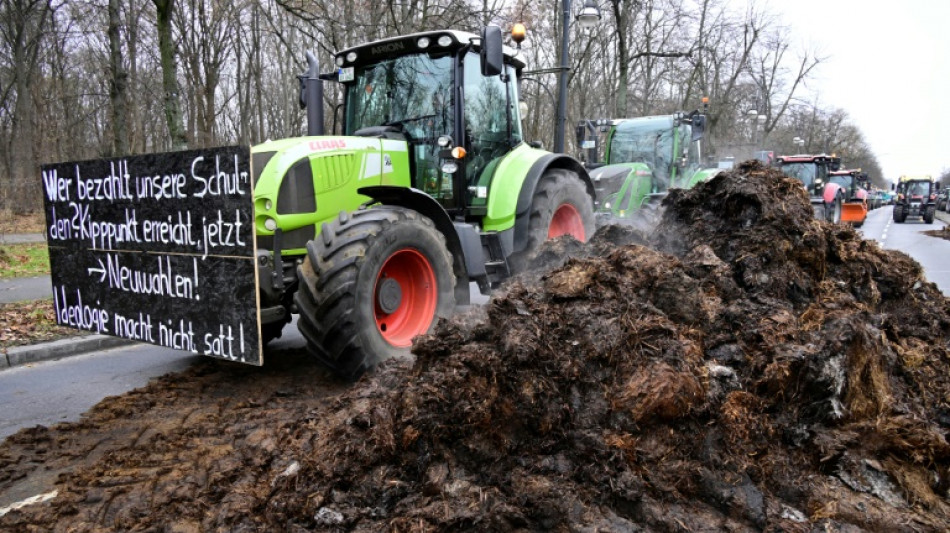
[169,60]
[118,87]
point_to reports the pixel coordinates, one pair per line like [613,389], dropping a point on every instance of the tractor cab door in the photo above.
[491,121]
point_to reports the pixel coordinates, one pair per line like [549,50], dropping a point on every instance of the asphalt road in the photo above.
[931,252]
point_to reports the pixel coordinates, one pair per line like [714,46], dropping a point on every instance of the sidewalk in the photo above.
[39,288]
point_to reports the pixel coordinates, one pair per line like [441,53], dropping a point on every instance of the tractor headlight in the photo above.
[268,205]
[270,224]
[450,167]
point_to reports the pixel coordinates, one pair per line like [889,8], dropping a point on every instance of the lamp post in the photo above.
[756,120]
[588,17]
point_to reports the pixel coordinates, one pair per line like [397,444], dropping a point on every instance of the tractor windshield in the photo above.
[841,179]
[648,140]
[918,189]
[804,172]
[411,92]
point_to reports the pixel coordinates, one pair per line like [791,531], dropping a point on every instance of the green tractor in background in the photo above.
[643,158]
[373,234]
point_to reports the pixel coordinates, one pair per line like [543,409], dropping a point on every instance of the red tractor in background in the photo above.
[854,184]
[916,197]
[827,198]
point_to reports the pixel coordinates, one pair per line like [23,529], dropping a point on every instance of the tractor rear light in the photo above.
[458,152]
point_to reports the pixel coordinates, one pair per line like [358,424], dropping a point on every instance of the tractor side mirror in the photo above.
[699,127]
[492,54]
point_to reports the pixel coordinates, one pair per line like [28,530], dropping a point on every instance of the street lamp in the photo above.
[799,142]
[588,17]
[756,120]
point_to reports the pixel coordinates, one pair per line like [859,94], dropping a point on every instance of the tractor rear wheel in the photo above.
[560,206]
[372,281]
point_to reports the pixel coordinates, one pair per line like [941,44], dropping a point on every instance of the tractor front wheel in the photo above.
[372,281]
[560,206]
[833,210]
[929,213]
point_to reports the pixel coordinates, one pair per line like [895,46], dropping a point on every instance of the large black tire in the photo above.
[898,214]
[560,202]
[366,287]
[929,215]
[833,210]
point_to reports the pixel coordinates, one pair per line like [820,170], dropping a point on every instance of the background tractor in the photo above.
[373,234]
[643,158]
[854,208]
[916,197]
[827,198]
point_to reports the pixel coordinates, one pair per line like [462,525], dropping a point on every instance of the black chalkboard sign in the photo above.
[157,248]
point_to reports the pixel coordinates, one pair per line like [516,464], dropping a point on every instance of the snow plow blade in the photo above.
[854,212]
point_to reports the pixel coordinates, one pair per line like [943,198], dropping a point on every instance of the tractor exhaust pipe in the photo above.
[311,95]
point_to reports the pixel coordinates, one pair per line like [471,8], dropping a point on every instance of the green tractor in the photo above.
[643,158]
[373,234]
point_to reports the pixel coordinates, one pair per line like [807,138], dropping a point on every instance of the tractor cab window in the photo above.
[918,189]
[412,95]
[803,172]
[842,179]
[487,111]
[647,141]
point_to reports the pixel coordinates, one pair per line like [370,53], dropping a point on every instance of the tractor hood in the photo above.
[301,182]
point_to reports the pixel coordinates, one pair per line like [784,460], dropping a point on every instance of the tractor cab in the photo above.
[811,170]
[432,91]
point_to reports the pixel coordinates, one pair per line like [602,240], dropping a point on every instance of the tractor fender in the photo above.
[523,207]
[466,252]
[830,192]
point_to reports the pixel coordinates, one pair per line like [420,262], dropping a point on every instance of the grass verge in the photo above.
[31,322]
[23,260]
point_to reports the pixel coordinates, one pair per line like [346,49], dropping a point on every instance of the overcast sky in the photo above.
[888,66]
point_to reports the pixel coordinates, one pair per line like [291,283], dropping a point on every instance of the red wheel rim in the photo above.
[567,221]
[416,307]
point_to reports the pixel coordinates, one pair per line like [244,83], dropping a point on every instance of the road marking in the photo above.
[39,498]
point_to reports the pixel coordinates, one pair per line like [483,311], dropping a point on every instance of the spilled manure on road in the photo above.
[741,367]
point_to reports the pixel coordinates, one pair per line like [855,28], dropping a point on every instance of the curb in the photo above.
[49,351]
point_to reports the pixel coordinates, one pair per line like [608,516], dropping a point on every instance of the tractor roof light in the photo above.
[444,141]
[450,167]
[445,40]
[518,32]
[339,61]
[423,42]
[351,57]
